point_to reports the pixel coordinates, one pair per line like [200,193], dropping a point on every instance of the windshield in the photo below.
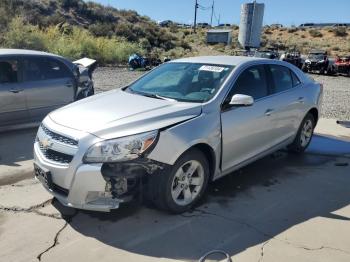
[317,56]
[188,82]
[263,54]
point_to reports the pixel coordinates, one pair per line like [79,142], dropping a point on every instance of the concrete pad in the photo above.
[284,207]
[23,236]
[276,251]
[329,127]
[16,155]
[23,195]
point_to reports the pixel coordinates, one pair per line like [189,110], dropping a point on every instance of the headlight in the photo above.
[120,149]
[321,61]
[307,61]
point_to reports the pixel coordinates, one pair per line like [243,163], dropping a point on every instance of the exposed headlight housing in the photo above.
[120,149]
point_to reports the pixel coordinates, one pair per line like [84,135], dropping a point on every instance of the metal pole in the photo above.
[212,13]
[195,16]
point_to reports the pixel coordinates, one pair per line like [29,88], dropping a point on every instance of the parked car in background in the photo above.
[342,65]
[203,25]
[166,23]
[317,61]
[292,57]
[165,136]
[224,25]
[270,54]
[33,83]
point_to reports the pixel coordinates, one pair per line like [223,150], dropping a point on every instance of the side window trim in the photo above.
[269,80]
[63,65]
[19,72]
[225,100]
[273,90]
[43,62]
[293,76]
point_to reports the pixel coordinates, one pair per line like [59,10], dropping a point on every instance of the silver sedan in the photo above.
[165,136]
[34,83]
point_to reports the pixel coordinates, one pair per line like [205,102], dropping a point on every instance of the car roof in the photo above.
[4,51]
[219,60]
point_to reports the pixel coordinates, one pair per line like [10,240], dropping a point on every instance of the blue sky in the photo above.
[288,12]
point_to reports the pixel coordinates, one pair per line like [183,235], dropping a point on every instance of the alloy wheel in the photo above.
[187,183]
[306,133]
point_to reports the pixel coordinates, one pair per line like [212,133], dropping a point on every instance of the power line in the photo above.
[203,8]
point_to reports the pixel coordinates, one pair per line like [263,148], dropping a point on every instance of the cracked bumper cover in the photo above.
[98,187]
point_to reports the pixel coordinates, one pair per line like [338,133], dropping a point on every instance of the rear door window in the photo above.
[281,77]
[37,69]
[296,80]
[8,71]
[252,82]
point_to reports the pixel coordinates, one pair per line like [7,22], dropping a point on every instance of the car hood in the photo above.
[117,113]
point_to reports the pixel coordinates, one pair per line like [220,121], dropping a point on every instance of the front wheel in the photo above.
[304,135]
[179,189]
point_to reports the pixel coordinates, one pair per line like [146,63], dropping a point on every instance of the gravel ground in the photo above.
[336,96]
[336,99]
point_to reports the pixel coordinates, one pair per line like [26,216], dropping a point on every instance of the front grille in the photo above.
[55,156]
[58,137]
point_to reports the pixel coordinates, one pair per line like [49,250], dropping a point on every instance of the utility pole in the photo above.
[212,13]
[195,16]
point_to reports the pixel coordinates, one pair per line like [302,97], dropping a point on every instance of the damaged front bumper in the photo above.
[97,187]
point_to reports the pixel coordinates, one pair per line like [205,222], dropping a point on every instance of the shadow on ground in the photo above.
[16,146]
[239,211]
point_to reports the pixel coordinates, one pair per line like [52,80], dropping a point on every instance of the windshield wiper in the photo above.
[158,96]
[152,95]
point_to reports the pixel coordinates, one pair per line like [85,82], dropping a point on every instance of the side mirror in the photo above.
[241,100]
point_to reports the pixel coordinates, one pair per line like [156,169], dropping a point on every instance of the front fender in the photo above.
[174,141]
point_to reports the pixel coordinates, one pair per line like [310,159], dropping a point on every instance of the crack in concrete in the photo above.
[203,213]
[55,240]
[262,251]
[26,210]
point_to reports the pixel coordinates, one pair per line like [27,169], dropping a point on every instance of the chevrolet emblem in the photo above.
[46,143]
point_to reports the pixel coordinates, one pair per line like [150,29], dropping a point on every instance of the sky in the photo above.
[286,12]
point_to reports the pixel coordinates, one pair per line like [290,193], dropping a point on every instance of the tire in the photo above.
[82,95]
[304,68]
[304,135]
[163,188]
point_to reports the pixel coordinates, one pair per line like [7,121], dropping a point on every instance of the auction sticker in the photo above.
[218,69]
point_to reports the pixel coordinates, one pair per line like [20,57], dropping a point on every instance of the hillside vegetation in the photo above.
[75,28]
[334,40]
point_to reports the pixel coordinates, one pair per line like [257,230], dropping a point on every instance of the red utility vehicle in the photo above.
[342,65]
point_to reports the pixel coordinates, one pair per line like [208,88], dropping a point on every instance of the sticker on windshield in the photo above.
[218,69]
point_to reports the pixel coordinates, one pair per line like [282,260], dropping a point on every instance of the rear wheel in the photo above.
[304,135]
[178,189]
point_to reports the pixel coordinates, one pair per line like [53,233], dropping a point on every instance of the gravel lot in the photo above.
[335,100]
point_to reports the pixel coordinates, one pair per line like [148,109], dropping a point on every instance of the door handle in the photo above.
[269,111]
[301,100]
[15,91]
[69,84]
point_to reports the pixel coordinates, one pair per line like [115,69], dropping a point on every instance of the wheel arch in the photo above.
[314,112]
[209,153]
